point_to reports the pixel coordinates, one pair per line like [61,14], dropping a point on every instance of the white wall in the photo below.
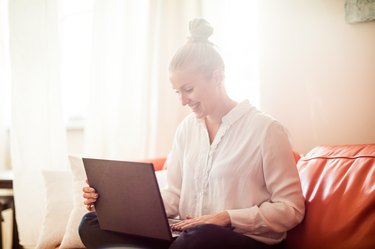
[317,72]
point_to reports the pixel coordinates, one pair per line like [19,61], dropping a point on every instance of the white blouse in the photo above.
[248,170]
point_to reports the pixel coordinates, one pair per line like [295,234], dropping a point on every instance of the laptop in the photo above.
[129,198]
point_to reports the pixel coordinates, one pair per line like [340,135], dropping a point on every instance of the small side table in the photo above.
[6,202]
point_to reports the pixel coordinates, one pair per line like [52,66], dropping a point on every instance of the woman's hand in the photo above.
[220,219]
[90,196]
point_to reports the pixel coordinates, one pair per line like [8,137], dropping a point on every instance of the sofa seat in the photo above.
[338,183]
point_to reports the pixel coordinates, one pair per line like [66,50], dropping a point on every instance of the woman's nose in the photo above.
[184,99]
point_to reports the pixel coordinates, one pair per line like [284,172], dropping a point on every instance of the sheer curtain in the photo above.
[37,127]
[236,34]
[4,86]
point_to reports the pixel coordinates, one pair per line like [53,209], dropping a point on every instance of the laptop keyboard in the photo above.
[175,233]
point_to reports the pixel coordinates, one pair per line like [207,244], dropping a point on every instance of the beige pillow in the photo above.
[59,203]
[71,237]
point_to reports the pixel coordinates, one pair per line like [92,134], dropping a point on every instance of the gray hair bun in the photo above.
[200,30]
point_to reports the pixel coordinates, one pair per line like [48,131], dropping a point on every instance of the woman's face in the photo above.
[196,90]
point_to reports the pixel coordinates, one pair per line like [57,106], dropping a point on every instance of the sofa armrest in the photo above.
[338,185]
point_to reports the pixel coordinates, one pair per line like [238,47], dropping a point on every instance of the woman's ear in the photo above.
[218,76]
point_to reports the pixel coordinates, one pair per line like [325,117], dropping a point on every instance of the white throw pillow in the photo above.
[71,238]
[59,199]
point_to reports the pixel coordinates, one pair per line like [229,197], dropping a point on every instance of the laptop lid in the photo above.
[129,198]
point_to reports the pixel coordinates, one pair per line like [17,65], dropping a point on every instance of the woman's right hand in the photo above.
[90,196]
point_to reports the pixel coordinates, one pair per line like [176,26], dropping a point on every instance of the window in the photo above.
[75,37]
[236,33]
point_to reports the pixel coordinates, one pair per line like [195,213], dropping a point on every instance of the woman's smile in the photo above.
[194,107]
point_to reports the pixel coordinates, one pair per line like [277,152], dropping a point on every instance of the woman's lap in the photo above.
[209,236]
[205,236]
[94,237]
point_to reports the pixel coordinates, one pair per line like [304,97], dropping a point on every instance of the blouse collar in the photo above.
[237,112]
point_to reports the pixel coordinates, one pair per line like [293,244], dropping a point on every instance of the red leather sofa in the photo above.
[338,183]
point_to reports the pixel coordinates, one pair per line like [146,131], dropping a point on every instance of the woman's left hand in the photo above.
[220,219]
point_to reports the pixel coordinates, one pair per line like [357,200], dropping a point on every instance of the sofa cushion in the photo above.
[338,183]
[59,198]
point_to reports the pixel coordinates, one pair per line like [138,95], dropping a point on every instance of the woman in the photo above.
[231,175]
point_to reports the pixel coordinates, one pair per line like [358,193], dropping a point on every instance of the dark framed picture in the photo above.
[359,11]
